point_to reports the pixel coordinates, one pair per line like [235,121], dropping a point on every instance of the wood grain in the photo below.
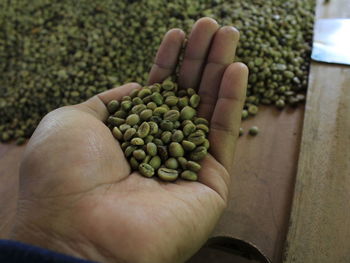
[319,225]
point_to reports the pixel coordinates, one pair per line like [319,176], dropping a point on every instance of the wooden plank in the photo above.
[319,226]
[9,167]
[263,180]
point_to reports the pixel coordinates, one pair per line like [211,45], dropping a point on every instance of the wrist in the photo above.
[59,242]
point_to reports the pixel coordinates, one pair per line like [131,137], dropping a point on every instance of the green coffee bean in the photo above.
[168,84]
[155,162]
[187,113]
[197,137]
[126,105]
[120,114]
[172,115]
[288,74]
[147,99]
[139,154]
[162,152]
[129,150]
[183,102]
[113,106]
[245,114]
[177,136]
[160,111]
[155,88]
[134,93]
[126,98]
[158,142]
[200,120]
[151,149]
[185,122]
[193,166]
[254,131]
[144,92]
[151,105]
[124,145]
[124,127]
[129,133]
[166,137]
[134,164]
[137,109]
[117,133]
[194,100]
[146,170]
[137,141]
[132,119]
[137,101]
[253,110]
[188,146]
[206,144]
[157,98]
[191,91]
[153,127]
[165,107]
[156,119]
[198,154]
[143,130]
[183,162]
[171,100]
[189,175]
[202,127]
[166,125]
[115,121]
[148,138]
[167,174]
[188,129]
[171,163]
[176,150]
[147,159]
[145,115]
[280,104]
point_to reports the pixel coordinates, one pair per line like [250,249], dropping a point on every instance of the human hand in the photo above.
[78,195]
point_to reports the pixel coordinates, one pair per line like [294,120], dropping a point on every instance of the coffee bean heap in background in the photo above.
[60,52]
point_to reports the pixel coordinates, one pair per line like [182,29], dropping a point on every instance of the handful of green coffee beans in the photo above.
[159,131]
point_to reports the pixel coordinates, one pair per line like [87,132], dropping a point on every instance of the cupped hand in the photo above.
[78,195]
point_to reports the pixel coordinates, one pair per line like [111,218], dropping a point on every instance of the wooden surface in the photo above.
[9,164]
[263,181]
[320,221]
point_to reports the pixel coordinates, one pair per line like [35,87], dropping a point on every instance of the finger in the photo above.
[221,54]
[167,56]
[226,119]
[196,52]
[97,104]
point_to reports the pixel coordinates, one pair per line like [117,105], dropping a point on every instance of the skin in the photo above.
[78,195]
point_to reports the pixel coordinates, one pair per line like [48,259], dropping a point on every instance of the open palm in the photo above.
[78,195]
